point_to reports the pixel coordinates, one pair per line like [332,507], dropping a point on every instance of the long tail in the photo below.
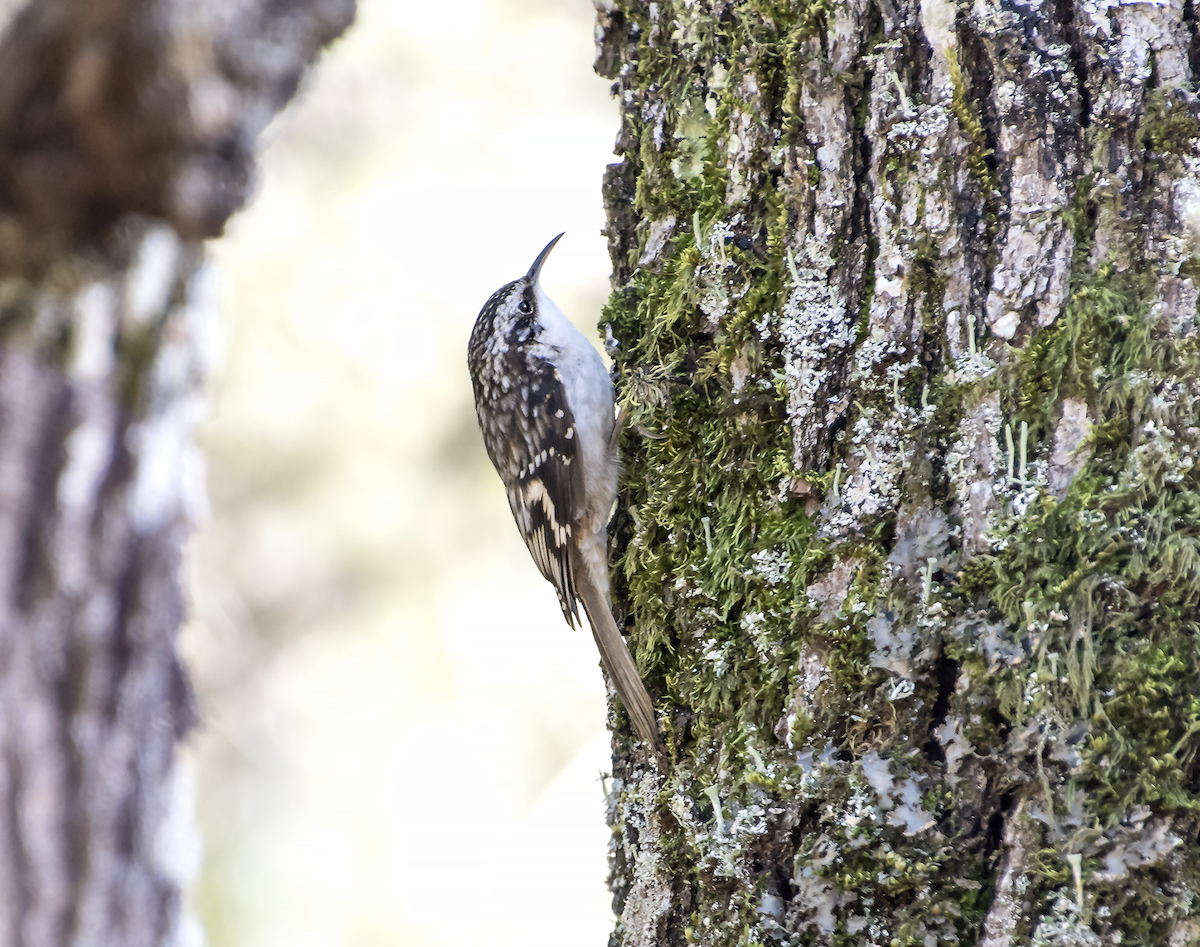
[617,660]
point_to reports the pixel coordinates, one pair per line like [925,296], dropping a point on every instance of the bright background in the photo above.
[403,741]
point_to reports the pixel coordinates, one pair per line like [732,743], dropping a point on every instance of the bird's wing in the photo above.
[548,487]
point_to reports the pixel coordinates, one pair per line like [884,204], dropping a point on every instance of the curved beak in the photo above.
[536,269]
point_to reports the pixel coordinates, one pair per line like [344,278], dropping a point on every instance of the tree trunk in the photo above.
[908,545]
[127,131]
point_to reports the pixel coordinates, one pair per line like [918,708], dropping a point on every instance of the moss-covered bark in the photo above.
[905,317]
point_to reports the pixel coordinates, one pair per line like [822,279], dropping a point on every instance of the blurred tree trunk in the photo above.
[905,313]
[127,131]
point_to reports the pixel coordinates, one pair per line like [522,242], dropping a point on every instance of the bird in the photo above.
[545,406]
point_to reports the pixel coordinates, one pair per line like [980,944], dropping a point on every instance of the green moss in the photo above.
[1100,586]
[1168,126]
[687,568]
[972,126]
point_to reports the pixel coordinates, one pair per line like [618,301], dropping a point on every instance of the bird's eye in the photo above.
[524,307]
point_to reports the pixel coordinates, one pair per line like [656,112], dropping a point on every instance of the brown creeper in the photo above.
[545,406]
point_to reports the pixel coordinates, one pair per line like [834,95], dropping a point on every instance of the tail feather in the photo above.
[618,662]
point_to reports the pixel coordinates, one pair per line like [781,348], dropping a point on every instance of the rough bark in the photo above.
[127,131]
[908,545]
